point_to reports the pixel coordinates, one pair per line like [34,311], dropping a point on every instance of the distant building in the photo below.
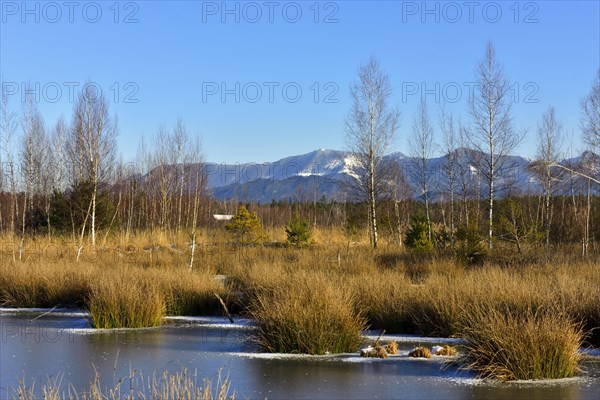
[222,217]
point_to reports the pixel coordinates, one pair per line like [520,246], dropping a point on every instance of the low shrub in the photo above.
[470,246]
[417,237]
[376,351]
[246,227]
[298,232]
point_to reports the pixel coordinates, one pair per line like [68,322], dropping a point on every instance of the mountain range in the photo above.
[309,177]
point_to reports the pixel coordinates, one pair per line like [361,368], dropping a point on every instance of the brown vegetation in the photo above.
[298,295]
[178,385]
[446,350]
[530,345]
[392,347]
[420,352]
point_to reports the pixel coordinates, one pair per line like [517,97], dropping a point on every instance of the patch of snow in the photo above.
[333,164]
[359,359]
[350,163]
[309,173]
[410,338]
[274,356]
[342,357]
[366,351]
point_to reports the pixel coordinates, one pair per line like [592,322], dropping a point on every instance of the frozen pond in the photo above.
[36,346]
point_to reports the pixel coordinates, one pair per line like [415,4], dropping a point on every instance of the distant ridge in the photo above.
[325,172]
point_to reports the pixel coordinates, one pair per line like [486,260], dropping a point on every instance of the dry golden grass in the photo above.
[533,345]
[178,385]
[121,287]
[420,352]
[188,292]
[384,297]
[38,285]
[381,352]
[376,351]
[446,350]
[392,289]
[309,315]
[123,300]
[392,347]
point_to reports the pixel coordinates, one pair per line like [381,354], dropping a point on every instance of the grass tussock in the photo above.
[392,347]
[540,345]
[381,352]
[309,316]
[446,350]
[420,352]
[178,385]
[376,351]
[126,303]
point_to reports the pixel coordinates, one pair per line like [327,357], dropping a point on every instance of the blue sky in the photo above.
[286,66]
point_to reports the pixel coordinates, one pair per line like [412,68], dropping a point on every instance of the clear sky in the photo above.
[262,80]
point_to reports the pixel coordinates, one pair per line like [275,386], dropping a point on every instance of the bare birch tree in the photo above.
[58,138]
[162,174]
[492,134]
[590,124]
[195,186]
[33,153]
[370,127]
[92,145]
[179,155]
[450,141]
[9,127]
[549,142]
[590,120]
[421,149]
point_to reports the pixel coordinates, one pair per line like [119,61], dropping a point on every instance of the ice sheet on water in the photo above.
[60,312]
[215,322]
[591,352]
[92,331]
